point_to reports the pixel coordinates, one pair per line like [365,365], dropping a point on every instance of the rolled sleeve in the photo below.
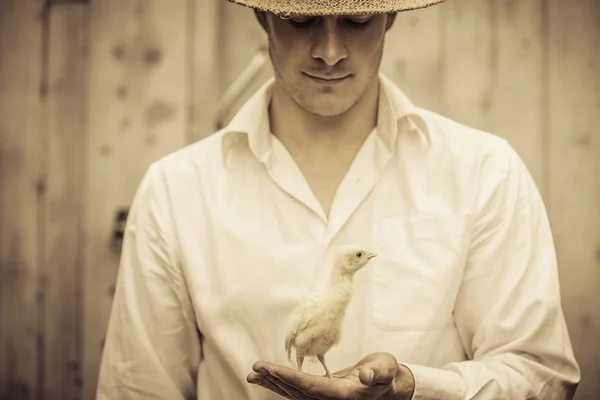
[152,347]
[508,311]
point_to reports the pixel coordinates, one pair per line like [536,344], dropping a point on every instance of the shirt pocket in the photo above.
[418,270]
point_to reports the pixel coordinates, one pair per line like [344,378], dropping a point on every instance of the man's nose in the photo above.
[329,44]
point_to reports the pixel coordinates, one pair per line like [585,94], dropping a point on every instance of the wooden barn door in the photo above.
[90,94]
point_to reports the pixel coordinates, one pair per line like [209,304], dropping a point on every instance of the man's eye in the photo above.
[358,23]
[306,22]
[302,22]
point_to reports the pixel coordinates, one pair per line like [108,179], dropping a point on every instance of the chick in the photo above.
[317,323]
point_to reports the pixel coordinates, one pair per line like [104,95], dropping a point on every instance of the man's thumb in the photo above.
[371,375]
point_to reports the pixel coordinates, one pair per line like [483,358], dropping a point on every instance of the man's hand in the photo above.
[377,376]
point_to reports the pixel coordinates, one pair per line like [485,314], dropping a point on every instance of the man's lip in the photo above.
[328,79]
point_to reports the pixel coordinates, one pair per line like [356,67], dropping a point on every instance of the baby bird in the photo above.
[317,323]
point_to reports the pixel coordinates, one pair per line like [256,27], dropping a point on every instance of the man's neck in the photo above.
[302,131]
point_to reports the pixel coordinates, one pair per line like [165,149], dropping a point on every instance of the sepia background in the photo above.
[91,92]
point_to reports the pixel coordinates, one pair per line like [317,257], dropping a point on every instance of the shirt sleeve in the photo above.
[152,347]
[508,311]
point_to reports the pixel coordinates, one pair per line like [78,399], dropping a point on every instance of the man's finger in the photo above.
[312,386]
[342,373]
[379,370]
[276,389]
[291,391]
[265,383]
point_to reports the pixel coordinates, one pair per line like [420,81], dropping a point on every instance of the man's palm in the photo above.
[349,383]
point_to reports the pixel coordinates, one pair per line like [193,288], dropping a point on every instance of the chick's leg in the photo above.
[321,358]
[299,360]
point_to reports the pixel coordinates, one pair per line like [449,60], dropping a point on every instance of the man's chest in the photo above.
[324,180]
[251,259]
[247,274]
[254,246]
[324,172]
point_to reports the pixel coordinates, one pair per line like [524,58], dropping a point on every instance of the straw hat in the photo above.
[289,8]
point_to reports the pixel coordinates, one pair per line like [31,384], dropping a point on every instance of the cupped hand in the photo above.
[377,376]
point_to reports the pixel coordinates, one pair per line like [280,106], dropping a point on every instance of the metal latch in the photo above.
[119,229]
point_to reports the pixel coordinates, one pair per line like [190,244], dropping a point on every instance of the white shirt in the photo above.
[225,238]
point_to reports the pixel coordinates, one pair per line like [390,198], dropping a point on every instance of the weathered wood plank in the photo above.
[239,46]
[469,62]
[53,3]
[493,72]
[21,33]
[574,171]
[65,105]
[137,113]
[412,56]
[516,90]
[204,27]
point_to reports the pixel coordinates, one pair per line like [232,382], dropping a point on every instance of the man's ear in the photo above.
[261,16]
[391,17]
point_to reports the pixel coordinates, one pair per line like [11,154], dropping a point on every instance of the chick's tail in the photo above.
[289,342]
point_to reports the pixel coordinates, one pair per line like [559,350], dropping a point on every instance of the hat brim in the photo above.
[290,8]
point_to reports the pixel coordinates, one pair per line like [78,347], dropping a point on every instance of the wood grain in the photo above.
[517,82]
[21,187]
[470,62]
[239,46]
[493,73]
[413,56]
[574,170]
[137,113]
[65,110]
[205,67]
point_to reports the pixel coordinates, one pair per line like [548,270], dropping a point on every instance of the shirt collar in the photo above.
[251,123]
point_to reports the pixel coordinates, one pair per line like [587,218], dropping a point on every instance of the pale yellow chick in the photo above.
[317,323]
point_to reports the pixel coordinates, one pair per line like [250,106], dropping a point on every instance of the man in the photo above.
[228,235]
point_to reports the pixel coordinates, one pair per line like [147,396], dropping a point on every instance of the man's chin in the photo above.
[327,109]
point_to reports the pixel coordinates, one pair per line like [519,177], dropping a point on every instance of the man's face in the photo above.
[326,64]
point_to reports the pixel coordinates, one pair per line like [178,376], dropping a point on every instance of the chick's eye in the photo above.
[359,254]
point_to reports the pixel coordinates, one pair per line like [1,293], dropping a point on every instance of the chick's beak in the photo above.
[371,255]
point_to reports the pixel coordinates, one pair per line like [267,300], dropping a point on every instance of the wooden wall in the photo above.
[92,92]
